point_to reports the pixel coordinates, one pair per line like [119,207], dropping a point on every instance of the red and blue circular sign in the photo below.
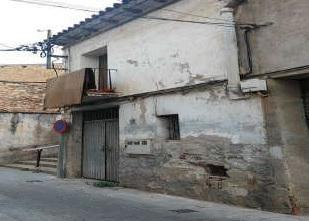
[61,126]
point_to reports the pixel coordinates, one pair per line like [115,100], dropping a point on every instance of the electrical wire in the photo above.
[58,4]
[7,50]
[6,46]
[194,15]
[223,24]
[55,4]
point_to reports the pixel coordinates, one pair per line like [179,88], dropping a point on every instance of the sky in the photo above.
[20,22]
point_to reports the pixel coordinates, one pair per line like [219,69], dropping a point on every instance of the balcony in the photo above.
[98,84]
[83,86]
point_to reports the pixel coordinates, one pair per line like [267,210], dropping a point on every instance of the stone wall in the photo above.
[19,131]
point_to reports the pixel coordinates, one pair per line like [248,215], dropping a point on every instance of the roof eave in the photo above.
[106,20]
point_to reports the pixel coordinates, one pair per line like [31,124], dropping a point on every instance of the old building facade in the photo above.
[177,103]
[276,50]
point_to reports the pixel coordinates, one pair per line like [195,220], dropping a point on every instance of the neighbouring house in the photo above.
[23,121]
[199,98]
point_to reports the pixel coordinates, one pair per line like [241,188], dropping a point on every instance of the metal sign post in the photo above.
[61,127]
[61,158]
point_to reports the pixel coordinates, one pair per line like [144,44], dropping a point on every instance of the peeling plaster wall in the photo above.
[152,54]
[282,45]
[19,130]
[215,131]
[250,139]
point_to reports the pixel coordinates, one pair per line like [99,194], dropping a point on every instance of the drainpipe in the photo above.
[231,54]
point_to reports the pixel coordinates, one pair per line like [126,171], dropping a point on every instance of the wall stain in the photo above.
[143,109]
[176,55]
[193,78]
[184,68]
[133,62]
[132,121]
[160,83]
[14,123]
[179,82]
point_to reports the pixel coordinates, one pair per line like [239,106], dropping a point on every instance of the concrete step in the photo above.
[42,163]
[49,159]
[52,171]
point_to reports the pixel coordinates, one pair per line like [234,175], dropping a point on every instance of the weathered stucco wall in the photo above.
[216,132]
[73,147]
[247,152]
[250,152]
[162,54]
[19,130]
[282,45]
[275,47]
[288,138]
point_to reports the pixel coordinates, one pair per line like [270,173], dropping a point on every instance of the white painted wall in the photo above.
[22,130]
[201,113]
[152,54]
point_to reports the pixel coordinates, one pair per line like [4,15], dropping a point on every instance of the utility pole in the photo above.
[48,54]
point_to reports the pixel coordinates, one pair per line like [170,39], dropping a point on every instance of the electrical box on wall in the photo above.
[253,85]
[136,146]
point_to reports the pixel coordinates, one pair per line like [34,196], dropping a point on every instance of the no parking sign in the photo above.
[61,127]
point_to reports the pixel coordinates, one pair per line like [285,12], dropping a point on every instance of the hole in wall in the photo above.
[215,170]
[132,121]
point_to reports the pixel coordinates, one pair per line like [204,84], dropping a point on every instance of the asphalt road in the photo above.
[27,196]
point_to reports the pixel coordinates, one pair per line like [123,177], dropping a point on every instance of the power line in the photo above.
[5,45]
[60,5]
[222,24]
[35,48]
[55,4]
[7,50]
[194,15]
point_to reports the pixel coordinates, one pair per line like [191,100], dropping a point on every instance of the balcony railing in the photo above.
[99,81]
